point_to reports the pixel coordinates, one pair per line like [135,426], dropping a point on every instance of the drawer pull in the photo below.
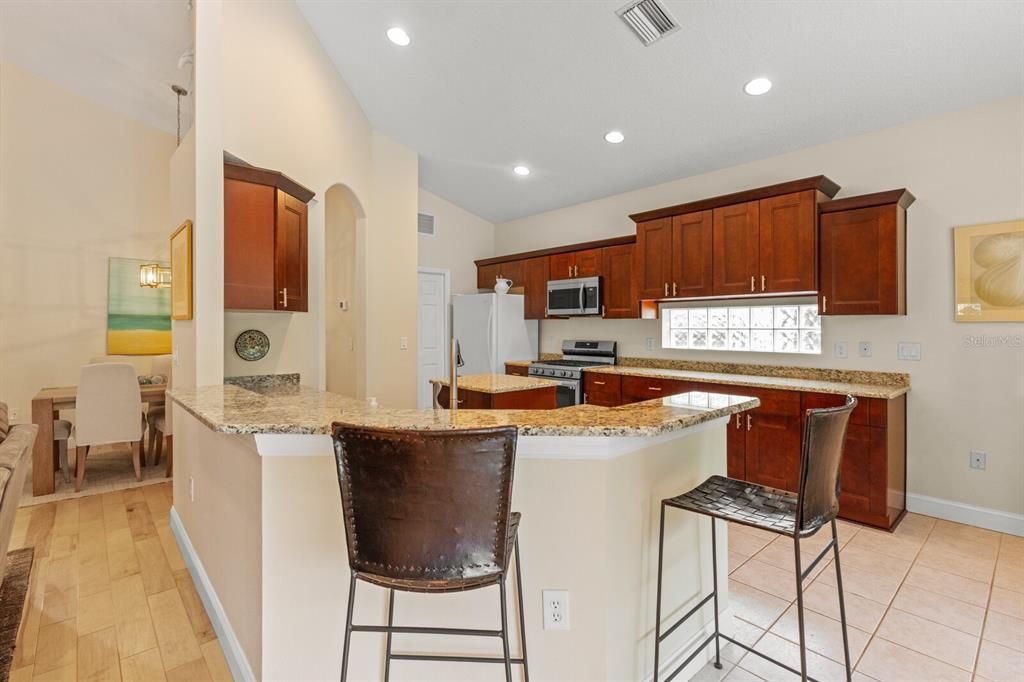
[599,383]
[653,388]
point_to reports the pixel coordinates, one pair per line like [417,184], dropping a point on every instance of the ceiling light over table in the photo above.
[758,86]
[521,170]
[398,36]
[614,137]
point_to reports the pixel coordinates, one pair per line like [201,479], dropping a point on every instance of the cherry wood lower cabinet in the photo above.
[532,399]
[518,370]
[763,445]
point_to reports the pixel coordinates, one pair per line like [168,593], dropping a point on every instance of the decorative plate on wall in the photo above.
[252,345]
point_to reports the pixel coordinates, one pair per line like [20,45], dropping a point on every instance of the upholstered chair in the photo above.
[108,409]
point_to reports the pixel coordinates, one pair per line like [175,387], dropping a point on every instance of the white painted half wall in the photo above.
[79,183]
[460,237]
[965,167]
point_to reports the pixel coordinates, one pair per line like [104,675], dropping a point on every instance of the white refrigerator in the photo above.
[491,330]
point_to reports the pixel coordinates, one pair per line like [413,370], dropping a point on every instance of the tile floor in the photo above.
[110,597]
[933,601]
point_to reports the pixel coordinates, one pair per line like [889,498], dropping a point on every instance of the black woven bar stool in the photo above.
[797,516]
[429,511]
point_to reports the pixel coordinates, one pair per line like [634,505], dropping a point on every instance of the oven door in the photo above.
[565,297]
[568,392]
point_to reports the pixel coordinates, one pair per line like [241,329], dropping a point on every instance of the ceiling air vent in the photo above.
[649,20]
[425,224]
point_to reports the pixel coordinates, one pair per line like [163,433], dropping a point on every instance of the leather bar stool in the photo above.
[796,516]
[430,511]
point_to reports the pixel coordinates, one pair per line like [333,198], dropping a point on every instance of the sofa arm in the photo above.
[14,456]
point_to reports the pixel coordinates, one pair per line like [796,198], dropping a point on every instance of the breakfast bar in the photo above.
[588,482]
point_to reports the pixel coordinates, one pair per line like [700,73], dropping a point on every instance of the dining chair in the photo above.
[61,434]
[158,419]
[108,410]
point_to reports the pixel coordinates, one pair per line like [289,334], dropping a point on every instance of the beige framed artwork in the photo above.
[989,272]
[181,272]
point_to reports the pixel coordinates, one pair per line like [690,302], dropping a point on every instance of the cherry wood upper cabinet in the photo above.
[485,276]
[585,263]
[735,247]
[290,254]
[620,299]
[265,240]
[654,258]
[863,254]
[535,287]
[788,243]
[692,237]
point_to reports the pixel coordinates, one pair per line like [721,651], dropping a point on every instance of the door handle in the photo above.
[750,422]
[762,282]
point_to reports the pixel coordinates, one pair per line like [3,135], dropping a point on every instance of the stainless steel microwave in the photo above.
[579,296]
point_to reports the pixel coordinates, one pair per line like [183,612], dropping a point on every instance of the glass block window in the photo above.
[781,328]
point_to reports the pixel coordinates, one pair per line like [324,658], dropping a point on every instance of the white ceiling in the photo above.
[488,85]
[122,54]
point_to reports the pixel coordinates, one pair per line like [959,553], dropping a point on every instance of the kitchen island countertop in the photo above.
[498,383]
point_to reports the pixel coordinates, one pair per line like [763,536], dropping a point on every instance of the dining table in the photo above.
[46,407]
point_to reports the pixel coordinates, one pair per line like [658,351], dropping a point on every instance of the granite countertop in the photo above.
[303,410]
[498,383]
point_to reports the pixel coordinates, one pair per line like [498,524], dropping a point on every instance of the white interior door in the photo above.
[432,331]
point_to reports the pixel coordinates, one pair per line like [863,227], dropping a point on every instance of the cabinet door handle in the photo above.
[666,289]
[824,304]
[673,288]
[739,421]
[750,422]
[584,398]
[752,283]
[576,270]
[762,282]
[284,297]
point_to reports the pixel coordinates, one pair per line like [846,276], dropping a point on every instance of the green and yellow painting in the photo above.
[138,318]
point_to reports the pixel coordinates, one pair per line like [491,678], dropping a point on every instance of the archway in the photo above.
[344,293]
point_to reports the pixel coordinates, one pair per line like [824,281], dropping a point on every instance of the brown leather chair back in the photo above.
[426,505]
[820,460]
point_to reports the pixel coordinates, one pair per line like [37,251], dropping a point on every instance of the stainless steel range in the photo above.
[568,371]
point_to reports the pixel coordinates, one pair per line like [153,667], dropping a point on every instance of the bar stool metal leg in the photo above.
[800,607]
[504,633]
[842,600]
[348,627]
[714,581]
[657,603]
[522,614]
[391,622]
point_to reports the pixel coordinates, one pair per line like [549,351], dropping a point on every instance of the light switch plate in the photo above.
[650,343]
[839,350]
[906,350]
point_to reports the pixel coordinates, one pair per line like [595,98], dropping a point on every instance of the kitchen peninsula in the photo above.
[588,482]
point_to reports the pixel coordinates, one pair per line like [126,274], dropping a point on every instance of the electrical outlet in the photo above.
[650,343]
[839,349]
[191,489]
[978,459]
[864,349]
[556,609]
[403,343]
[15,414]
[906,350]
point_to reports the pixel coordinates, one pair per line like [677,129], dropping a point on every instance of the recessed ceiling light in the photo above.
[521,170]
[614,137]
[398,36]
[758,86]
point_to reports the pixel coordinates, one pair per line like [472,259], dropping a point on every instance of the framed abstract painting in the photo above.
[989,272]
[138,317]
[181,272]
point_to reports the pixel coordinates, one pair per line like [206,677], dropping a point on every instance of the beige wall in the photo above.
[460,237]
[964,168]
[344,281]
[288,109]
[78,184]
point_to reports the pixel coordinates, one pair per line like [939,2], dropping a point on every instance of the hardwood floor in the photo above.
[110,597]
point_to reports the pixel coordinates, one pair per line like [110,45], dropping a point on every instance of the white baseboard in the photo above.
[982,517]
[233,654]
